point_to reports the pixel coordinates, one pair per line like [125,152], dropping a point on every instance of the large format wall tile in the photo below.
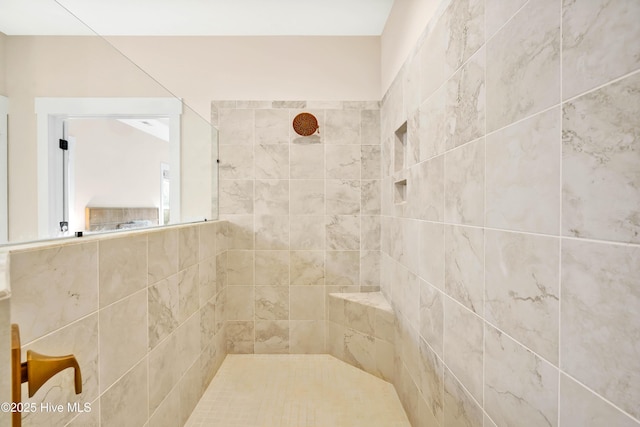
[599,43]
[125,403]
[465,25]
[272,161]
[600,325]
[464,266]
[122,266]
[460,409]
[498,12]
[523,65]
[162,254]
[464,184]
[600,156]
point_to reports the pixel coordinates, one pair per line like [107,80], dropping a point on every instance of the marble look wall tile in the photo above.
[188,245]
[598,43]
[342,232]
[460,409]
[272,232]
[343,196]
[342,127]
[307,161]
[244,104]
[162,363]
[241,232]
[579,406]
[307,302]
[163,305]
[463,341]
[307,336]
[87,419]
[162,255]
[342,161]
[168,412]
[239,303]
[370,197]
[271,197]
[81,339]
[189,345]
[465,22]
[207,280]
[272,303]
[600,299]
[601,179]
[464,266]
[432,317]
[342,268]
[523,289]
[272,126]
[122,265]
[236,162]
[188,284]
[307,232]
[53,287]
[464,184]
[411,83]
[432,60]
[520,388]
[370,127]
[272,161]
[359,350]
[307,197]
[236,196]
[208,321]
[369,270]
[523,175]
[272,337]
[240,336]
[370,233]
[240,268]
[307,268]
[432,125]
[425,196]
[406,295]
[122,403]
[412,146]
[220,311]
[289,104]
[190,391]
[208,242]
[272,268]
[431,380]
[523,65]
[123,337]
[431,253]
[465,102]
[371,157]
[236,126]
[497,13]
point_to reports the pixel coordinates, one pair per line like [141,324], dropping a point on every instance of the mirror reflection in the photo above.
[134,156]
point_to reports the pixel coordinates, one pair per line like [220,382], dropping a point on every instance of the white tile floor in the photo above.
[296,391]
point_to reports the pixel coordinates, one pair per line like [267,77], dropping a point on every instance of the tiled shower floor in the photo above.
[296,391]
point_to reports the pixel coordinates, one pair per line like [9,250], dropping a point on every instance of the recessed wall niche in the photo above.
[400,163]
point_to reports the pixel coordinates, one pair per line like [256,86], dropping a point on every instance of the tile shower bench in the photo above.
[362,331]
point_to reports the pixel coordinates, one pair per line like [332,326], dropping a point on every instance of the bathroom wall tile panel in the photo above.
[245,104]
[272,161]
[241,232]
[497,13]
[240,336]
[188,284]
[463,341]
[168,412]
[122,265]
[342,232]
[581,407]
[370,157]
[272,268]
[432,125]
[81,339]
[272,232]
[187,247]
[370,232]
[307,268]
[520,388]
[431,380]
[523,289]
[221,271]
[523,175]
[220,312]
[307,302]
[208,240]
[240,268]
[189,344]
[88,419]
[429,185]
[307,161]
[409,395]
[342,127]
[464,184]
[272,126]
[599,43]
[307,337]
[236,196]
[271,197]
[163,254]
[600,156]
[236,162]
[464,266]
[411,84]
[123,337]
[190,391]
[370,127]
[342,268]
[163,364]
[289,104]
[359,350]
[239,304]
[272,303]
[460,409]
[600,326]
[53,287]
[523,65]
[432,60]
[272,337]
[412,147]
[307,197]
[431,325]
[369,269]
[163,305]
[407,296]
[342,161]
[307,232]
[370,197]
[208,322]
[207,280]
[384,355]
[431,253]
[343,196]
[236,126]
[465,102]
[465,24]
[122,403]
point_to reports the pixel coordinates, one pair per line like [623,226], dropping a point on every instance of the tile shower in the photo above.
[492,196]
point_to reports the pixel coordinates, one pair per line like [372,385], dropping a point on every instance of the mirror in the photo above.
[71,113]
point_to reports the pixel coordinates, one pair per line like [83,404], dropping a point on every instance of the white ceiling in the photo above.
[195,17]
